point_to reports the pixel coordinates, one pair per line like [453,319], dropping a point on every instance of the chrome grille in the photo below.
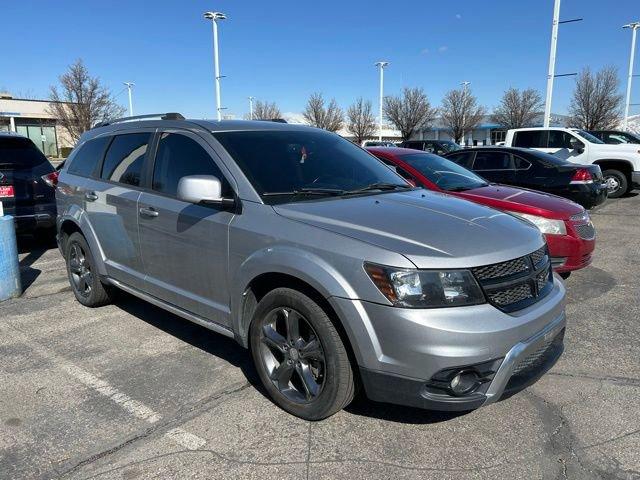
[586,231]
[517,283]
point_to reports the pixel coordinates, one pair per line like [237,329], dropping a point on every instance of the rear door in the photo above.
[185,246]
[495,166]
[110,198]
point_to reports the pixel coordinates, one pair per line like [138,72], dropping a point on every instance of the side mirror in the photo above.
[205,189]
[576,145]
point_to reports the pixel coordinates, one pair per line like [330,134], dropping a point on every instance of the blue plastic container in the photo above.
[10,285]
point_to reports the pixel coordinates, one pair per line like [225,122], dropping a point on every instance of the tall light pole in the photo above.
[634,28]
[552,62]
[214,16]
[381,65]
[129,85]
[251,108]
[465,85]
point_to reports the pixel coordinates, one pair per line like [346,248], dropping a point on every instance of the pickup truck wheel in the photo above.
[616,182]
[83,276]
[299,355]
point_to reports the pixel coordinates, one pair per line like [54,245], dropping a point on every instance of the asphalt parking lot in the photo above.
[130,391]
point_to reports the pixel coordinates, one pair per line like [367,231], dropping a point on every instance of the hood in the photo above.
[431,229]
[522,200]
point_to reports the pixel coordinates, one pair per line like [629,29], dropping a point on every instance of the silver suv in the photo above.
[310,252]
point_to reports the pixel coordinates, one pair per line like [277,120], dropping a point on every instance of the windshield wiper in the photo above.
[304,191]
[378,186]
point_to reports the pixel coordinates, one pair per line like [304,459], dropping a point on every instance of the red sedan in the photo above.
[565,224]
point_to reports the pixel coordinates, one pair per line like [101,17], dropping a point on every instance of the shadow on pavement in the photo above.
[228,350]
[34,246]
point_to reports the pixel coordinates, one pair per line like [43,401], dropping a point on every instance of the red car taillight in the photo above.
[582,175]
[51,179]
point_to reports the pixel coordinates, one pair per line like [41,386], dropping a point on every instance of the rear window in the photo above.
[19,153]
[88,156]
[125,157]
[530,139]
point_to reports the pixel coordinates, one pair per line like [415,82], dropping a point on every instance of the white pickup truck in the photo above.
[620,164]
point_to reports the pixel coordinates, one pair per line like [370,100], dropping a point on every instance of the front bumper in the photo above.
[570,252]
[400,350]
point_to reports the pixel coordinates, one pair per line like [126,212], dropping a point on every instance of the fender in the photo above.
[77,216]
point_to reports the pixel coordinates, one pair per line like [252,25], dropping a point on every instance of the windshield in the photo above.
[588,137]
[444,173]
[302,165]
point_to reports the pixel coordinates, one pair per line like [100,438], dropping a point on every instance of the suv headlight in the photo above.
[545,225]
[426,288]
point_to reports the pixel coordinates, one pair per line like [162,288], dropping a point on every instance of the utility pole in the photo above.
[634,28]
[214,16]
[465,85]
[381,65]
[251,108]
[129,85]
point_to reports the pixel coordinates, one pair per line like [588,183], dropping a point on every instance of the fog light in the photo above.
[464,383]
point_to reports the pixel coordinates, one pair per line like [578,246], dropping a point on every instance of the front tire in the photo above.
[83,275]
[617,183]
[299,355]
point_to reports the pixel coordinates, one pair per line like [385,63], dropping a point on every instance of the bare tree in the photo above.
[517,108]
[460,112]
[265,111]
[409,111]
[596,103]
[360,120]
[81,101]
[330,117]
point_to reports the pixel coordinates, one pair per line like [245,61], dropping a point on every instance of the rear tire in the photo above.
[617,183]
[83,275]
[299,355]
[564,275]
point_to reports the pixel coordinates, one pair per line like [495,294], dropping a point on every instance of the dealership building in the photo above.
[33,119]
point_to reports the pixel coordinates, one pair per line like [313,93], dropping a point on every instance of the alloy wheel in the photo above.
[81,275]
[292,355]
[613,184]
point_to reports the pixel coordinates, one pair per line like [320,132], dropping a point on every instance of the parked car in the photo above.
[620,164]
[615,137]
[27,182]
[521,167]
[438,147]
[311,252]
[566,225]
[377,143]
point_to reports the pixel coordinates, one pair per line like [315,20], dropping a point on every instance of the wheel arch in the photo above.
[625,166]
[77,222]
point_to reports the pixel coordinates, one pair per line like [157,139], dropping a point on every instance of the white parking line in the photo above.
[134,407]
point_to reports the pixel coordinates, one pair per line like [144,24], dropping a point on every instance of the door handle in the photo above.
[91,196]
[149,212]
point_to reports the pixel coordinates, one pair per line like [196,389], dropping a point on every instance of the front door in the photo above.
[559,145]
[184,246]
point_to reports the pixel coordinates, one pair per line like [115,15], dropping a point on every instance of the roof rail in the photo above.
[161,116]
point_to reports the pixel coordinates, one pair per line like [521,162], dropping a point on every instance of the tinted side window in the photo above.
[521,163]
[125,158]
[88,157]
[179,156]
[530,139]
[461,158]
[559,139]
[414,145]
[492,161]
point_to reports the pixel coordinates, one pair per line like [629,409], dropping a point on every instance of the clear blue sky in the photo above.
[283,51]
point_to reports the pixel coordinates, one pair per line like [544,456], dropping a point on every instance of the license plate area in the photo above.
[6,191]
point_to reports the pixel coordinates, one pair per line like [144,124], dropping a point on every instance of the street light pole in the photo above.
[251,108]
[213,16]
[464,84]
[634,28]
[552,62]
[381,65]
[129,85]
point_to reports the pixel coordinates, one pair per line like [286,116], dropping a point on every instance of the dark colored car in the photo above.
[566,225]
[27,182]
[439,147]
[522,167]
[615,137]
